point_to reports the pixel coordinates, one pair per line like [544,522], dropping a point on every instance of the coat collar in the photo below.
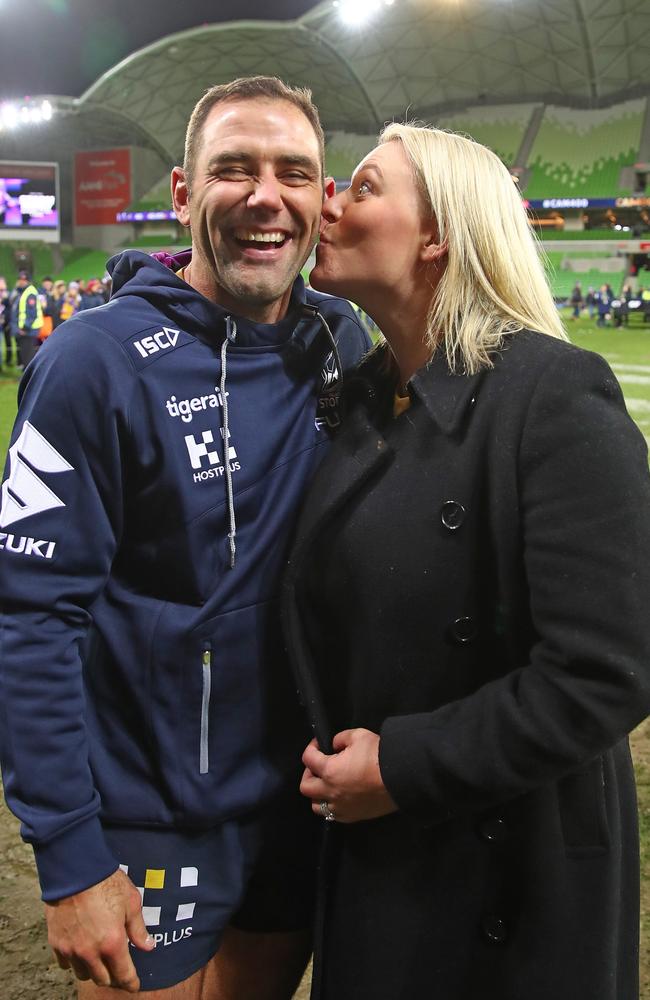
[445,394]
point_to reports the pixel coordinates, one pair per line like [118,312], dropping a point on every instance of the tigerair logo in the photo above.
[158,909]
[186,408]
[202,452]
[24,493]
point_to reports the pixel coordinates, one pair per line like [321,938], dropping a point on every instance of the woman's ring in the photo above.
[326,812]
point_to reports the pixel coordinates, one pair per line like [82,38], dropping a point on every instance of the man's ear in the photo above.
[330,188]
[180,196]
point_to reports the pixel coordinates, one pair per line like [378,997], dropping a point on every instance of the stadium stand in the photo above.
[501,128]
[156,199]
[581,153]
[343,150]
[590,269]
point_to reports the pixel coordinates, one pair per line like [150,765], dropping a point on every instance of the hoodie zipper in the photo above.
[206,666]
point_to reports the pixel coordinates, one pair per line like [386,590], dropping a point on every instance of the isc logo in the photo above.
[157,342]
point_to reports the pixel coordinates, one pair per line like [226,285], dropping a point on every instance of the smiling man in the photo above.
[151,737]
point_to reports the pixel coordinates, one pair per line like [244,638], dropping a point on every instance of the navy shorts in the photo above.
[257,875]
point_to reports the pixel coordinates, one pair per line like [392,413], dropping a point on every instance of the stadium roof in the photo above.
[419,57]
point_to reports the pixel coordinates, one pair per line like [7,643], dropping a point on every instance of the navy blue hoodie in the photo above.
[115,553]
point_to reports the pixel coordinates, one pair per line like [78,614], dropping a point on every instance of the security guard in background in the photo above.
[30,319]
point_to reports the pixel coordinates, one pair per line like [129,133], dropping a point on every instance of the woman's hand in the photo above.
[349,780]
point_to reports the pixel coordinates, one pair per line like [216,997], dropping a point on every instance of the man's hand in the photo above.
[349,780]
[90,932]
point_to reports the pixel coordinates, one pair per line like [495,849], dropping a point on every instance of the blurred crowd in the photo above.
[608,308]
[29,312]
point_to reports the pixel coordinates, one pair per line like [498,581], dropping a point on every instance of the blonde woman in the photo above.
[467,608]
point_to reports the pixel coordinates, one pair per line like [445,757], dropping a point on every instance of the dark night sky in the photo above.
[62,46]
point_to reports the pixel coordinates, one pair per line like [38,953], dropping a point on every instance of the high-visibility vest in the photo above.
[37,322]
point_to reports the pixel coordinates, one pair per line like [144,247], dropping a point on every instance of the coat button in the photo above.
[493,829]
[452,514]
[463,630]
[495,930]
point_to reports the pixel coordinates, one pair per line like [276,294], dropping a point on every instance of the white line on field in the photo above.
[634,379]
[630,368]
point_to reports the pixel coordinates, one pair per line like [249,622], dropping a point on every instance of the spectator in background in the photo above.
[590,301]
[623,317]
[58,295]
[26,318]
[12,326]
[47,302]
[604,305]
[576,300]
[92,295]
[4,320]
[70,302]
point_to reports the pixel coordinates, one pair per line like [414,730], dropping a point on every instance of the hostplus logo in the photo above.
[24,493]
[205,457]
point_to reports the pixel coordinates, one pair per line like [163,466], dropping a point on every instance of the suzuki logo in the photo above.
[23,493]
[157,342]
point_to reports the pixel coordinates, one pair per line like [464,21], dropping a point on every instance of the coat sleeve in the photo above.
[584,508]
[60,522]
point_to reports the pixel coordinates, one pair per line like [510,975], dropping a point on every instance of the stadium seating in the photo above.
[501,128]
[590,269]
[579,153]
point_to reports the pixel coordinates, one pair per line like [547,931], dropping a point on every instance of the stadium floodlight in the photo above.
[357,12]
[8,115]
[31,113]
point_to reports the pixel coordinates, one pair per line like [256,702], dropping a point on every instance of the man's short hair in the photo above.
[248,88]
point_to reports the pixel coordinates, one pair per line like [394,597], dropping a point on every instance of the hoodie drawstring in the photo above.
[231,333]
[312,312]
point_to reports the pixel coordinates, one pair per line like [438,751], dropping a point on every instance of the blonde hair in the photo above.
[494,282]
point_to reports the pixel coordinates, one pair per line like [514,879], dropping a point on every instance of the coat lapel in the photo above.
[445,395]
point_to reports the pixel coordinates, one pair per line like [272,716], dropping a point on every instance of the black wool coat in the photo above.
[472,581]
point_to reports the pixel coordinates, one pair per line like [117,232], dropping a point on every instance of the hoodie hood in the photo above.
[153,277]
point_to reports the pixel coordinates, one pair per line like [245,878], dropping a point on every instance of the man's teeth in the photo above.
[261,237]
